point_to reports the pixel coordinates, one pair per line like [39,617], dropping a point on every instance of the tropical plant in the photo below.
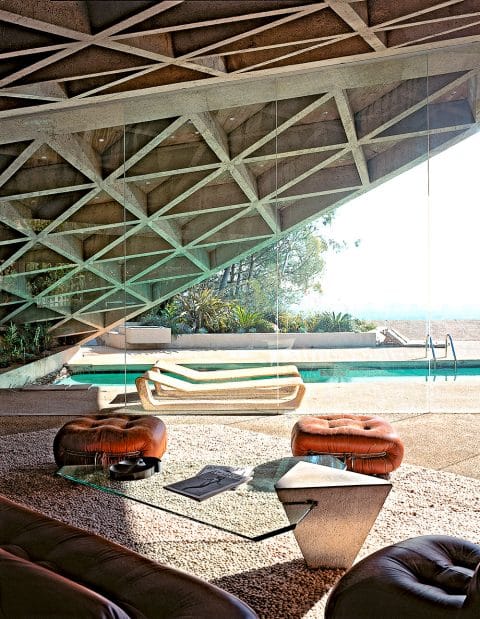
[167,316]
[331,321]
[363,325]
[291,323]
[41,339]
[201,308]
[13,342]
[20,343]
[247,320]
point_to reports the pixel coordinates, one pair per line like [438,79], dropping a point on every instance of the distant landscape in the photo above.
[464,330]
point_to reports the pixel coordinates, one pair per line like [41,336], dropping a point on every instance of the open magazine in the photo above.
[211,480]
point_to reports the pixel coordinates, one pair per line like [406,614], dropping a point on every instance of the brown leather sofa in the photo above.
[49,569]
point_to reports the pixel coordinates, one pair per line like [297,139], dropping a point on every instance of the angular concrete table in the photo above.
[345,506]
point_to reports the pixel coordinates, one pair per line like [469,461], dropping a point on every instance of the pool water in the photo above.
[338,373]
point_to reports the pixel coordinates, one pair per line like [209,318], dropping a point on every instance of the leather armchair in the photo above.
[431,576]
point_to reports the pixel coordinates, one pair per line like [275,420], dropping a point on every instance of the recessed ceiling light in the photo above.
[101,139]
[44,156]
[232,118]
[197,132]
[147,183]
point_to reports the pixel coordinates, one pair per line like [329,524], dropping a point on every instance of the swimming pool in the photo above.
[336,373]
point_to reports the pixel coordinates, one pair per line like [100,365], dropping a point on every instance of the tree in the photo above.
[276,276]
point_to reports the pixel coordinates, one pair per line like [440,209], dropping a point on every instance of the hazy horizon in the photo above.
[417,255]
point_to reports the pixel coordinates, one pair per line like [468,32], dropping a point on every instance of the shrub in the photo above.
[329,322]
[165,317]
[247,320]
[203,309]
[22,343]
[291,323]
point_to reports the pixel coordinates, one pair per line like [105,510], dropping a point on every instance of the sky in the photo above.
[419,250]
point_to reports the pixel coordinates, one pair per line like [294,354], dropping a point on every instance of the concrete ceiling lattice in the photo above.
[145,145]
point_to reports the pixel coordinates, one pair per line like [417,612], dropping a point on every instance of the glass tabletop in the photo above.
[251,511]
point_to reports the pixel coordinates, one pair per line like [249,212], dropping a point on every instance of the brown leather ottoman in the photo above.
[368,445]
[105,439]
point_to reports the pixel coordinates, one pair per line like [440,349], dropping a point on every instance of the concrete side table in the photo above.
[345,506]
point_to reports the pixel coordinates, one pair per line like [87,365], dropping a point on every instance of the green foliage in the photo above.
[40,282]
[201,308]
[253,322]
[330,321]
[362,325]
[13,342]
[166,317]
[275,276]
[291,323]
[36,338]
[195,311]
[20,343]
[201,311]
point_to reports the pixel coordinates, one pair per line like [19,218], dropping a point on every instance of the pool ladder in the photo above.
[448,342]
[429,344]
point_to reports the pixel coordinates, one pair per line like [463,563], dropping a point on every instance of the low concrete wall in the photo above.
[50,400]
[133,336]
[146,338]
[151,338]
[30,372]
[229,341]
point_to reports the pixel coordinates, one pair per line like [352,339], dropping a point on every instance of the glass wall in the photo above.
[324,219]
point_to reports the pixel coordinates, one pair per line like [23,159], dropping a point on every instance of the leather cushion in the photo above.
[359,435]
[30,590]
[106,439]
[426,576]
[141,587]
[472,601]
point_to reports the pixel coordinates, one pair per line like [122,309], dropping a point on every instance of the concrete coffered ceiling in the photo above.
[145,145]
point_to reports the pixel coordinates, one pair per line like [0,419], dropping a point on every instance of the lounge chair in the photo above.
[225,375]
[177,394]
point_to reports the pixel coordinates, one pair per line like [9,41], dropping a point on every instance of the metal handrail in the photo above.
[448,339]
[429,343]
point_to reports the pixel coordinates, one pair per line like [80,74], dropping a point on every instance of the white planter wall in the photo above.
[30,372]
[154,337]
[227,341]
[135,336]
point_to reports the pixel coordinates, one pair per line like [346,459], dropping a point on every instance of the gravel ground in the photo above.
[271,575]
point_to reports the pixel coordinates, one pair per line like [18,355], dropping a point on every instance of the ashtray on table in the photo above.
[130,469]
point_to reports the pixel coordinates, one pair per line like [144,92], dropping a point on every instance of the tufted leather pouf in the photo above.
[431,577]
[105,439]
[369,445]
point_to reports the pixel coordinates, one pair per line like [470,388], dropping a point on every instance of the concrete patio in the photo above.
[438,421]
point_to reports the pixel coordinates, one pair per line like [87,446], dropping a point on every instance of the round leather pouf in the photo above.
[106,439]
[367,444]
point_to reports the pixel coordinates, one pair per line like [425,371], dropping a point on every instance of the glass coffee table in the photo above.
[251,511]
